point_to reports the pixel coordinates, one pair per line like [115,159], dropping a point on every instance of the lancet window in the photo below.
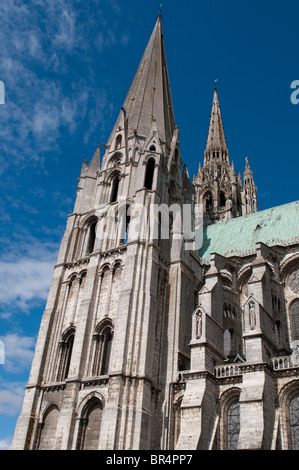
[102,348]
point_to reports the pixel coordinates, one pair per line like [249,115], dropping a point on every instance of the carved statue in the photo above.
[198,323]
[252,316]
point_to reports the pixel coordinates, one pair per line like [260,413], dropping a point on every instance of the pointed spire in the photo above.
[216,138]
[149,98]
[247,172]
[94,165]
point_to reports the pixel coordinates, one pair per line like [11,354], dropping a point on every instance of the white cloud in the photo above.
[19,351]
[10,403]
[24,280]
[11,398]
[26,270]
[41,37]
[66,28]
[5,444]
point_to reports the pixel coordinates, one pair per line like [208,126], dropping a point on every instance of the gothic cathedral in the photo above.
[146,343]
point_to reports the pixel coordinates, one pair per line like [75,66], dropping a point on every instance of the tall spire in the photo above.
[216,138]
[217,187]
[149,98]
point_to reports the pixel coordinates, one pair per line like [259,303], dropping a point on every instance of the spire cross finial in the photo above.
[160,9]
[215,81]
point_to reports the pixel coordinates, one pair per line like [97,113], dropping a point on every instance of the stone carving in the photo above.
[198,323]
[252,316]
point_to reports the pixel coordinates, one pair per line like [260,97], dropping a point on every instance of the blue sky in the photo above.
[67,66]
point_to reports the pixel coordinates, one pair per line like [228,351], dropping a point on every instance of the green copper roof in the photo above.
[276,226]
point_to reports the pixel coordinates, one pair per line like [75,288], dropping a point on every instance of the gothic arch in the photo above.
[244,274]
[90,417]
[288,265]
[149,172]
[289,405]
[105,267]
[118,142]
[227,278]
[117,264]
[87,219]
[72,277]
[84,402]
[114,183]
[103,324]
[114,161]
[82,276]
[87,237]
[229,414]
[102,341]
[47,428]
[65,353]
[91,227]
[150,157]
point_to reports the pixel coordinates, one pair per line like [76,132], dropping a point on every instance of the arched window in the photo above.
[114,189]
[66,348]
[90,425]
[82,278]
[102,348]
[233,425]
[294,318]
[294,421]
[91,237]
[149,173]
[118,142]
[46,439]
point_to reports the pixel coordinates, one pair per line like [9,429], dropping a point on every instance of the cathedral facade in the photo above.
[149,341]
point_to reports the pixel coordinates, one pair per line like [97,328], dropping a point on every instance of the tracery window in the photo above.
[294,421]
[233,425]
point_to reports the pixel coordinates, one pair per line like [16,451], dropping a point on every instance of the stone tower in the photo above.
[218,188]
[145,341]
[115,330]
